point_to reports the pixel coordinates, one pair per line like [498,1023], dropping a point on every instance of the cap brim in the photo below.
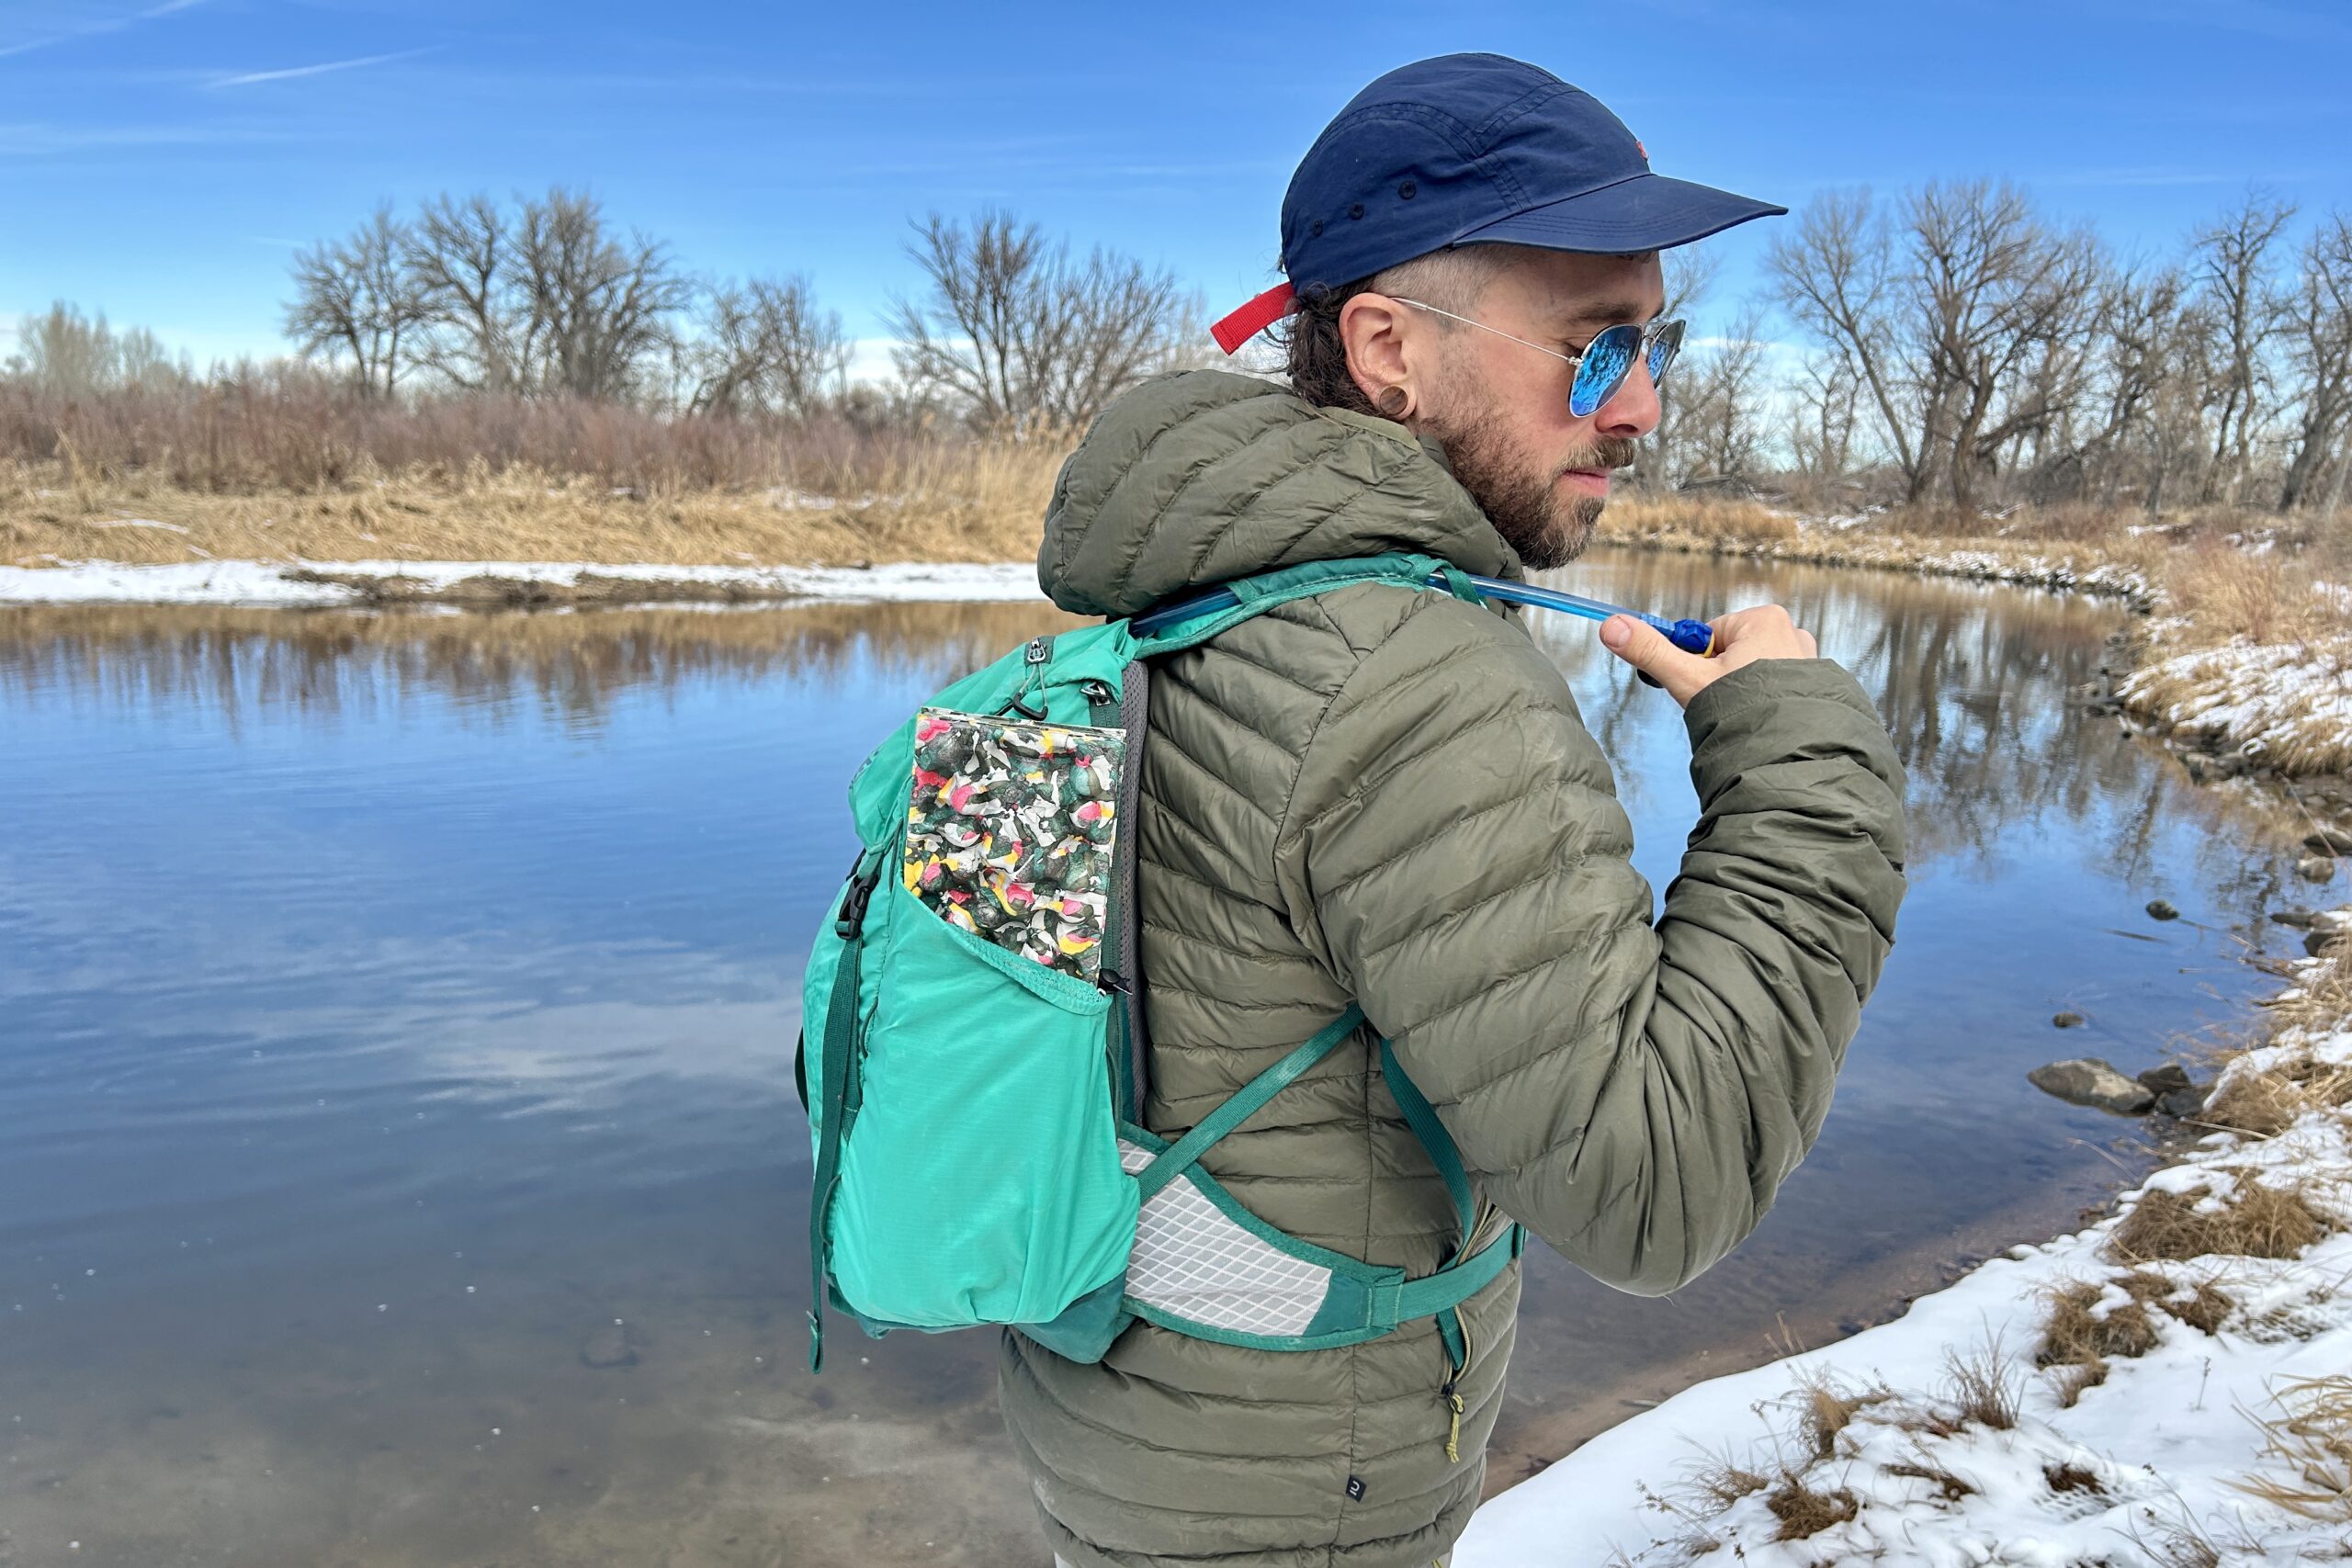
[1647,212]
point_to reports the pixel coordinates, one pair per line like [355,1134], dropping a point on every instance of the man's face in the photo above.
[1500,409]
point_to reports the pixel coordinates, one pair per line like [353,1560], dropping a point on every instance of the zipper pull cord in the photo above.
[1453,1426]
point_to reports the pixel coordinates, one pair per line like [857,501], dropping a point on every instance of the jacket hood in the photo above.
[1199,477]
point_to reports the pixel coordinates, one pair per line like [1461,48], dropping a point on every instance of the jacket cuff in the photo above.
[1771,680]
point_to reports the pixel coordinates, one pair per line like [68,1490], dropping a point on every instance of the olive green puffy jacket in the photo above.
[1389,796]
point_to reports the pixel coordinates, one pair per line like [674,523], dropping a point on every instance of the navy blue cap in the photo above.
[1469,149]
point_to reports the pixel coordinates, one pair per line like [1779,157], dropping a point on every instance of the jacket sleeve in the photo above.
[1456,851]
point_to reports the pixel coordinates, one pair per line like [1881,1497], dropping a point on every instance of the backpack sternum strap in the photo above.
[1246,1102]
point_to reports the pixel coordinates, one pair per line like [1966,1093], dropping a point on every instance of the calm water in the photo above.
[398,1163]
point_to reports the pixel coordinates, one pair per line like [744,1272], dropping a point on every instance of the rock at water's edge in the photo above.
[2162,910]
[2087,1080]
[2299,920]
[2328,841]
[2181,1103]
[2315,868]
[2166,1078]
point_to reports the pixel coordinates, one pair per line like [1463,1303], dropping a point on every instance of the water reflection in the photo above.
[396,1001]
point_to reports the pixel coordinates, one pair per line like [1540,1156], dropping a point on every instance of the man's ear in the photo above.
[1372,328]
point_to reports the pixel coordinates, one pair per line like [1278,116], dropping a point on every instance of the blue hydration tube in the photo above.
[1690,637]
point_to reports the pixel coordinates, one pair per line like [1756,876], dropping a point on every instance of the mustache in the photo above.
[1613,453]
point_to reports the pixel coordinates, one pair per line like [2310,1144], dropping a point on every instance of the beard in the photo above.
[1521,498]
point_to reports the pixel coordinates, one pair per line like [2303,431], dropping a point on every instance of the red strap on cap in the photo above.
[1254,318]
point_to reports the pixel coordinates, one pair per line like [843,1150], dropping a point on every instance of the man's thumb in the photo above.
[1643,647]
[1632,641]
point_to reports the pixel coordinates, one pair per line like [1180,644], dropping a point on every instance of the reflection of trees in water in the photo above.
[335,662]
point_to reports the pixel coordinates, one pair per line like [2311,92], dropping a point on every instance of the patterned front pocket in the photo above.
[1010,832]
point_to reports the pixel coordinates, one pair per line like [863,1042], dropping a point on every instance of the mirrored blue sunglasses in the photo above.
[1605,362]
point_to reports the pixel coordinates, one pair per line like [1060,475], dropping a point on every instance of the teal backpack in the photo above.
[972,1051]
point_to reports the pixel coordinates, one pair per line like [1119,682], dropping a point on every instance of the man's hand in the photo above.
[1741,638]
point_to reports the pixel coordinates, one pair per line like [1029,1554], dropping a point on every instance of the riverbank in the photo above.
[509,584]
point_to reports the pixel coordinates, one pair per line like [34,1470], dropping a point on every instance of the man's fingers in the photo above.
[1645,649]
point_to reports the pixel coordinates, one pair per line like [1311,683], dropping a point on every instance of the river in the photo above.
[398,1161]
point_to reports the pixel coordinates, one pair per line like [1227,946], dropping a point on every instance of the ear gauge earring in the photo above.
[1393,400]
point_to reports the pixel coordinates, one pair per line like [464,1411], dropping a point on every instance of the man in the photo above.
[1388,797]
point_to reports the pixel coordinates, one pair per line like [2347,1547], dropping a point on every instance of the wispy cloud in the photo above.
[42,140]
[112,25]
[288,74]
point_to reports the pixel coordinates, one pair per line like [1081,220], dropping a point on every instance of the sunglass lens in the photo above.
[1662,352]
[1600,370]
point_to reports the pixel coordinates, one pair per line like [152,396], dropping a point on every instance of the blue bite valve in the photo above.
[1690,637]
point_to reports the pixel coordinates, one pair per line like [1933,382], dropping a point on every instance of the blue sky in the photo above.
[161,159]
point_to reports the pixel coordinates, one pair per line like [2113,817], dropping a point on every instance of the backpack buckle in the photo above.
[852,915]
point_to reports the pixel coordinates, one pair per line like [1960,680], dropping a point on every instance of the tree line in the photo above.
[544,296]
[1958,346]
[1955,346]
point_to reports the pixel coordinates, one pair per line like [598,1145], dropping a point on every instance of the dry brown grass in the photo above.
[947,502]
[1824,1408]
[2064,1477]
[2227,592]
[2073,1335]
[1951,1487]
[1805,1512]
[1699,520]
[2310,1434]
[1723,1480]
[2070,1382]
[2262,1103]
[1981,1387]
[2254,1219]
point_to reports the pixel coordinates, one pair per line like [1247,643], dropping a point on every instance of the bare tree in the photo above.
[1964,333]
[2319,350]
[355,301]
[1021,332]
[1836,275]
[2135,339]
[546,301]
[65,353]
[459,259]
[2234,267]
[1718,432]
[1822,442]
[596,309]
[1690,274]
[2002,308]
[764,348]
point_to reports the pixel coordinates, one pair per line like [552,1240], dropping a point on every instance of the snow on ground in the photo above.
[2144,1465]
[2106,577]
[265,582]
[2292,698]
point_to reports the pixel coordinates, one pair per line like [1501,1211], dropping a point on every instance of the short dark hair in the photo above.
[1452,279]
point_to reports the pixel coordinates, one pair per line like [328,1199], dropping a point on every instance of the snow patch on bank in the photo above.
[2152,1458]
[2293,699]
[251,583]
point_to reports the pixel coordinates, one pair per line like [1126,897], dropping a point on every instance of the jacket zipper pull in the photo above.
[1454,1427]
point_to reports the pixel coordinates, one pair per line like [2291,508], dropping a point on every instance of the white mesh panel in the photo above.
[1193,1261]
